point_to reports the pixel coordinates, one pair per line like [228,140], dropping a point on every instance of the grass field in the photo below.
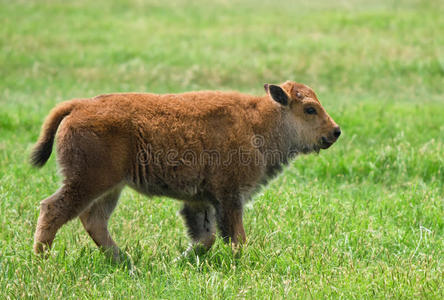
[364,219]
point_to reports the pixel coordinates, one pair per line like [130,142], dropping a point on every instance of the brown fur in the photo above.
[210,149]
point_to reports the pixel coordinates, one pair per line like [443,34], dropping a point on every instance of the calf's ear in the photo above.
[277,93]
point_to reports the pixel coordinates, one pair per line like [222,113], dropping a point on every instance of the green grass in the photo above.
[363,219]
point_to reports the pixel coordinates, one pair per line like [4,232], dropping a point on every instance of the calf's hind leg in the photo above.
[95,221]
[92,167]
[65,204]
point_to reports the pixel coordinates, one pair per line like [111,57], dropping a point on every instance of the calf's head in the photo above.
[310,126]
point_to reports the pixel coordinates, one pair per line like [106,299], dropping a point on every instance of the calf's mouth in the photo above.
[325,143]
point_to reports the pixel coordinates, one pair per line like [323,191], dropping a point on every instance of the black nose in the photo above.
[337,132]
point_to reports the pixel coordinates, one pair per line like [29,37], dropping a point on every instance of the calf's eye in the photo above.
[310,110]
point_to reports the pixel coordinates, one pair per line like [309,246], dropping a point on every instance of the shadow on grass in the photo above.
[221,257]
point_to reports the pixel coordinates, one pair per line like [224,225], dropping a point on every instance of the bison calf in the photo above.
[212,150]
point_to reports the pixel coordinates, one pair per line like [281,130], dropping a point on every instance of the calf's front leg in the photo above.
[229,220]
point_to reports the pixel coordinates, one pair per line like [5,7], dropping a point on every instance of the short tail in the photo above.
[43,148]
